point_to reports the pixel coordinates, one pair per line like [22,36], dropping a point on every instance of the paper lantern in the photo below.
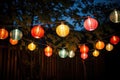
[62,30]
[84,55]
[84,48]
[3,33]
[95,53]
[48,51]
[100,45]
[31,46]
[13,42]
[71,54]
[109,47]
[16,34]
[63,53]
[37,32]
[115,16]
[114,40]
[90,24]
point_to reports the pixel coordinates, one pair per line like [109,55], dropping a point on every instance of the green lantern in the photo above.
[16,34]
[63,53]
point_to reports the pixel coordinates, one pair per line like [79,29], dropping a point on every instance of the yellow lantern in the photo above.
[31,46]
[109,47]
[95,53]
[100,45]
[115,16]
[62,30]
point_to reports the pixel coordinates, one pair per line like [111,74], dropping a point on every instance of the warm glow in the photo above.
[37,32]
[95,53]
[109,47]
[62,30]
[48,51]
[13,42]
[3,33]
[90,24]
[31,46]
[100,45]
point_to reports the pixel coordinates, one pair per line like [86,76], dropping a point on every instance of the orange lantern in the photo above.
[84,55]
[90,24]
[31,46]
[48,51]
[13,42]
[114,40]
[100,45]
[62,30]
[3,33]
[84,49]
[115,16]
[37,31]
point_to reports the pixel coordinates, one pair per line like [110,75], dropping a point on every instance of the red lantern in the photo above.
[3,33]
[90,24]
[84,49]
[114,40]
[84,55]
[48,51]
[37,31]
[13,42]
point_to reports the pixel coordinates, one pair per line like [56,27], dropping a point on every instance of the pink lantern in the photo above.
[84,55]
[37,31]
[90,24]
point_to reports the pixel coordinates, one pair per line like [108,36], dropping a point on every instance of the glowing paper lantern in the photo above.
[16,34]
[100,45]
[37,31]
[84,49]
[109,47]
[48,51]
[31,46]
[95,53]
[84,55]
[71,54]
[13,42]
[115,16]
[62,30]
[3,33]
[63,53]
[90,24]
[114,40]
